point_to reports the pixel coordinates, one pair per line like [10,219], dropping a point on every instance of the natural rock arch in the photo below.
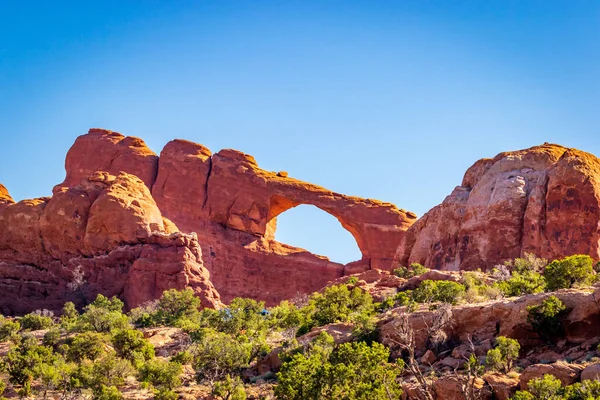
[279,204]
[316,219]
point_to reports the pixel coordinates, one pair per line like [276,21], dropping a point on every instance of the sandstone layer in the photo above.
[544,200]
[105,235]
[232,204]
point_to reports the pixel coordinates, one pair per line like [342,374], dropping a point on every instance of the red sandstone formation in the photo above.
[103,150]
[109,231]
[232,205]
[544,200]
[5,198]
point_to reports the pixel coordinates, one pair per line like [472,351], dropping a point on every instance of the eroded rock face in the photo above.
[104,150]
[544,200]
[483,322]
[5,198]
[106,236]
[232,204]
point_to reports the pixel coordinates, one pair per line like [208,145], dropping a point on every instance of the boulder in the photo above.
[591,372]
[542,200]
[503,386]
[567,373]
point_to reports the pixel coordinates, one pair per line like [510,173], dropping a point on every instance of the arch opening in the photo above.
[313,229]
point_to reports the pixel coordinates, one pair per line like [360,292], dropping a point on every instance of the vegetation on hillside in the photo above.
[98,351]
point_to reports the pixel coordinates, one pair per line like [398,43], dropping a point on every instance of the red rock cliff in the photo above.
[232,204]
[544,200]
[105,235]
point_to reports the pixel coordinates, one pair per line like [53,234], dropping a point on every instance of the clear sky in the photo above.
[388,100]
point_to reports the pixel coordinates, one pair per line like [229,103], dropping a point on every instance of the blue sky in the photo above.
[388,100]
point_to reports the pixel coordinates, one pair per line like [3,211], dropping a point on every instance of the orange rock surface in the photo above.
[106,236]
[232,205]
[544,200]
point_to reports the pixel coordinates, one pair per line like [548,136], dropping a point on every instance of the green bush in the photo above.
[103,315]
[52,337]
[131,345]
[40,319]
[546,318]
[86,345]
[445,291]
[22,363]
[229,389]
[162,375]
[107,393]
[8,328]
[577,270]
[502,357]
[176,306]
[352,371]
[337,303]
[415,269]
[217,355]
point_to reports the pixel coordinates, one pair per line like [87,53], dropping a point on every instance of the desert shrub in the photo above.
[546,318]
[107,393]
[144,315]
[584,390]
[337,303]
[22,363]
[545,388]
[352,371]
[529,262]
[217,355]
[522,283]
[109,370]
[242,316]
[52,337]
[39,319]
[131,345]
[414,269]
[103,315]
[525,276]
[285,316]
[444,291]
[229,389]
[8,328]
[176,306]
[164,376]
[86,345]
[502,357]
[577,270]
[477,290]
[69,316]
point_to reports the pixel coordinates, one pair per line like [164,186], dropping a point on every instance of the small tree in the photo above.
[230,389]
[176,305]
[103,315]
[8,328]
[163,376]
[131,345]
[86,345]
[503,356]
[577,270]
[545,388]
[445,291]
[217,355]
[39,319]
[546,318]
[414,269]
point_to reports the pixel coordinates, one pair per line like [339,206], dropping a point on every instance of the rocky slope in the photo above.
[105,235]
[544,200]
